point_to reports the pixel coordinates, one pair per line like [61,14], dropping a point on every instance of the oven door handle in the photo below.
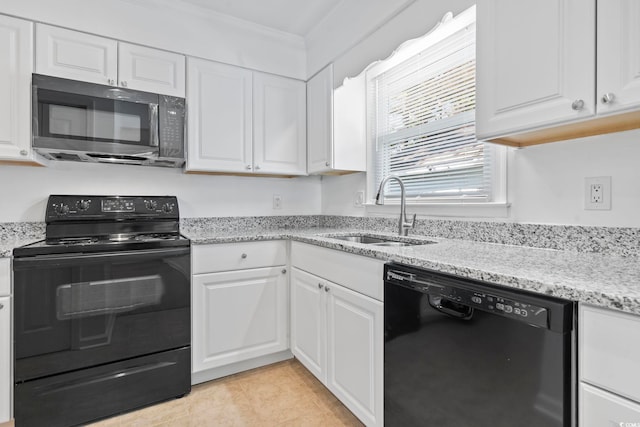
[79,259]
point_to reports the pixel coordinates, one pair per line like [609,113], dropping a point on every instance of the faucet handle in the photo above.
[413,221]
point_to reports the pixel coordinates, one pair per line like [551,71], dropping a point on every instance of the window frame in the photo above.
[497,205]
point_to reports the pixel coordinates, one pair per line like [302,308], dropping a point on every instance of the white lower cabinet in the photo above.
[337,334]
[240,317]
[609,367]
[6,382]
[599,408]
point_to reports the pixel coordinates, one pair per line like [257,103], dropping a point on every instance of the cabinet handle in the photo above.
[257,167]
[284,271]
[577,105]
[243,256]
[249,167]
[111,82]
[326,289]
[23,152]
[1,306]
[124,84]
[608,98]
[320,286]
[327,163]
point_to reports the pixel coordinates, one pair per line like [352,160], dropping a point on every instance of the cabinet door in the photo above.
[618,55]
[319,121]
[238,315]
[599,408]
[534,59]
[308,332]
[610,360]
[355,352]
[219,97]
[350,125]
[280,140]
[74,55]
[151,70]
[16,65]
[6,381]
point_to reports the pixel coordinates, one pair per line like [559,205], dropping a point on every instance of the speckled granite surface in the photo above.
[14,234]
[597,266]
[624,241]
[604,280]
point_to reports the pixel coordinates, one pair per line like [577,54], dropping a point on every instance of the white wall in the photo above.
[174,26]
[545,183]
[24,190]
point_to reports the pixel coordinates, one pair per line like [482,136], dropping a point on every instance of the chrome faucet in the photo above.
[403,224]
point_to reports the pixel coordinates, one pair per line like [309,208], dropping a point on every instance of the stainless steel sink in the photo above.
[381,241]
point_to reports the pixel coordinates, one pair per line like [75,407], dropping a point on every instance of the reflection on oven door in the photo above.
[92,306]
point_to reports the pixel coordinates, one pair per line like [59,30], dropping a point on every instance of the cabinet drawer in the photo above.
[355,272]
[610,350]
[5,276]
[237,256]
[599,408]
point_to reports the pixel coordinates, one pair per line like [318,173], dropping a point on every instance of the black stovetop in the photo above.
[87,224]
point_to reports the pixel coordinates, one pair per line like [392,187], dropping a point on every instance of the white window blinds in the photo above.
[422,122]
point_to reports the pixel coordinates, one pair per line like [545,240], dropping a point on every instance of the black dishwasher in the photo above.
[465,353]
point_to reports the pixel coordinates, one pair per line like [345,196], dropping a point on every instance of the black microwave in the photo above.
[82,121]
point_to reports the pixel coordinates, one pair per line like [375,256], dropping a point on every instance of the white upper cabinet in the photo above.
[151,70]
[320,121]
[244,122]
[280,130]
[220,117]
[16,66]
[535,64]
[618,56]
[74,55]
[79,56]
[554,70]
[336,132]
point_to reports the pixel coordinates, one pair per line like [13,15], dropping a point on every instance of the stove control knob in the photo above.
[61,209]
[151,205]
[167,208]
[83,205]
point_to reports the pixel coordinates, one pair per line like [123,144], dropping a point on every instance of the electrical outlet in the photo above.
[358,199]
[277,201]
[597,193]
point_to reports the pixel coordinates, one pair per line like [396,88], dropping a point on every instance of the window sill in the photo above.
[464,210]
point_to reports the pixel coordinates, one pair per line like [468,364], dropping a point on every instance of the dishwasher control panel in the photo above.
[477,298]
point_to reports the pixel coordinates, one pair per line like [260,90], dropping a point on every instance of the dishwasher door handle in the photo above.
[450,308]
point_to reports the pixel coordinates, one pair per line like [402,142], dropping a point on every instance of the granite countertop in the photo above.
[603,280]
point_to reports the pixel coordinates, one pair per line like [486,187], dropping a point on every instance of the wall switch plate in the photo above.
[597,193]
[277,201]
[358,199]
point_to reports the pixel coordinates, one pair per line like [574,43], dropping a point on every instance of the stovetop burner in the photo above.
[78,224]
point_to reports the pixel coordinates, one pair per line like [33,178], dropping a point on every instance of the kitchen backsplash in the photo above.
[622,241]
[21,230]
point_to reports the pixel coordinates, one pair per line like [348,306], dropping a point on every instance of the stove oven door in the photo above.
[76,311]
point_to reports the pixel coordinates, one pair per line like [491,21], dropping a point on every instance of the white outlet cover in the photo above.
[277,201]
[605,184]
[358,199]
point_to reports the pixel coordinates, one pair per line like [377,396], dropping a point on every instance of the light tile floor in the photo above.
[282,394]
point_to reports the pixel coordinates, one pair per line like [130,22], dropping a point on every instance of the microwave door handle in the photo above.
[153,125]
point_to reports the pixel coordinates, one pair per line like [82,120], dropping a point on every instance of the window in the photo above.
[421,119]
